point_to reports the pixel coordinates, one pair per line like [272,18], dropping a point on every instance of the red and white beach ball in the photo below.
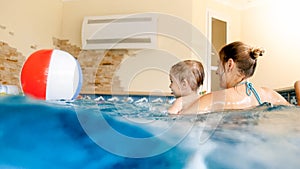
[51,75]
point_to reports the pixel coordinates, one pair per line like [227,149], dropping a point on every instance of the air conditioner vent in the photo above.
[120,32]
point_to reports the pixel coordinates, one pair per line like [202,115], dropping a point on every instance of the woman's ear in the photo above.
[230,64]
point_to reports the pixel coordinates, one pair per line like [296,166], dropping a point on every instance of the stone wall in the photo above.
[98,66]
[11,62]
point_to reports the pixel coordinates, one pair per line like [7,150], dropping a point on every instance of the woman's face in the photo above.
[222,75]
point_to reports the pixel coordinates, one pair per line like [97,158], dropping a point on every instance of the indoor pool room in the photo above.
[137,84]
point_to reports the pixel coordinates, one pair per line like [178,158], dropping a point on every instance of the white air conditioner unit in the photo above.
[136,31]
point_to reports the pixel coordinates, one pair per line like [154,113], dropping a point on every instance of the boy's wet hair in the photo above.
[190,70]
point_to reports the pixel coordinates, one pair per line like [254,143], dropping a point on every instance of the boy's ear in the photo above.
[184,83]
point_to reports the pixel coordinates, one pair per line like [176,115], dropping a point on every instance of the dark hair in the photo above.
[190,70]
[243,55]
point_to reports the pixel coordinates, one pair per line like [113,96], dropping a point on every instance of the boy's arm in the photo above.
[176,106]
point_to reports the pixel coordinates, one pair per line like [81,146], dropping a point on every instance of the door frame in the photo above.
[210,15]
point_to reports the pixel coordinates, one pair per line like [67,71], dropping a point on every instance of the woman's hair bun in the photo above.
[256,52]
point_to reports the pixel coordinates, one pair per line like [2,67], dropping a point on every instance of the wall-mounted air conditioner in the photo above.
[136,31]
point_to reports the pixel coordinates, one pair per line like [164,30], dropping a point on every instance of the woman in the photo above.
[237,64]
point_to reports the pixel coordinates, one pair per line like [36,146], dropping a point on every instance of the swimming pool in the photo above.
[117,132]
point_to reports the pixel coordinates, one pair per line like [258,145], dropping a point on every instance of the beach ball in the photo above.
[51,75]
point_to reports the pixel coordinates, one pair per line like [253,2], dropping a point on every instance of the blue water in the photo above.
[102,134]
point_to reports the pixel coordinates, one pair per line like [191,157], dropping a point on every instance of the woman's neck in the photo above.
[241,82]
[237,82]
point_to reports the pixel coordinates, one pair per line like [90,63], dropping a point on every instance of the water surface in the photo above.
[139,134]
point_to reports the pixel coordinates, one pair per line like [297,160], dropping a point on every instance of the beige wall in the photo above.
[192,12]
[201,12]
[142,80]
[202,7]
[74,11]
[30,24]
[275,27]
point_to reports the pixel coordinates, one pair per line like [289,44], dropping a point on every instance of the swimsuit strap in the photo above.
[250,89]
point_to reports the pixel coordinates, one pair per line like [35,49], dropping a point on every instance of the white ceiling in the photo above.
[237,4]
[240,4]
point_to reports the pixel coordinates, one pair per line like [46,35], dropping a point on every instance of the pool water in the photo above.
[102,133]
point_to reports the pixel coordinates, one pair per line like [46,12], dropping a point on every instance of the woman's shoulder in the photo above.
[210,100]
[266,91]
[272,96]
[206,96]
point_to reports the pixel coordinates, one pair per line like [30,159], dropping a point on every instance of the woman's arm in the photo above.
[199,106]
